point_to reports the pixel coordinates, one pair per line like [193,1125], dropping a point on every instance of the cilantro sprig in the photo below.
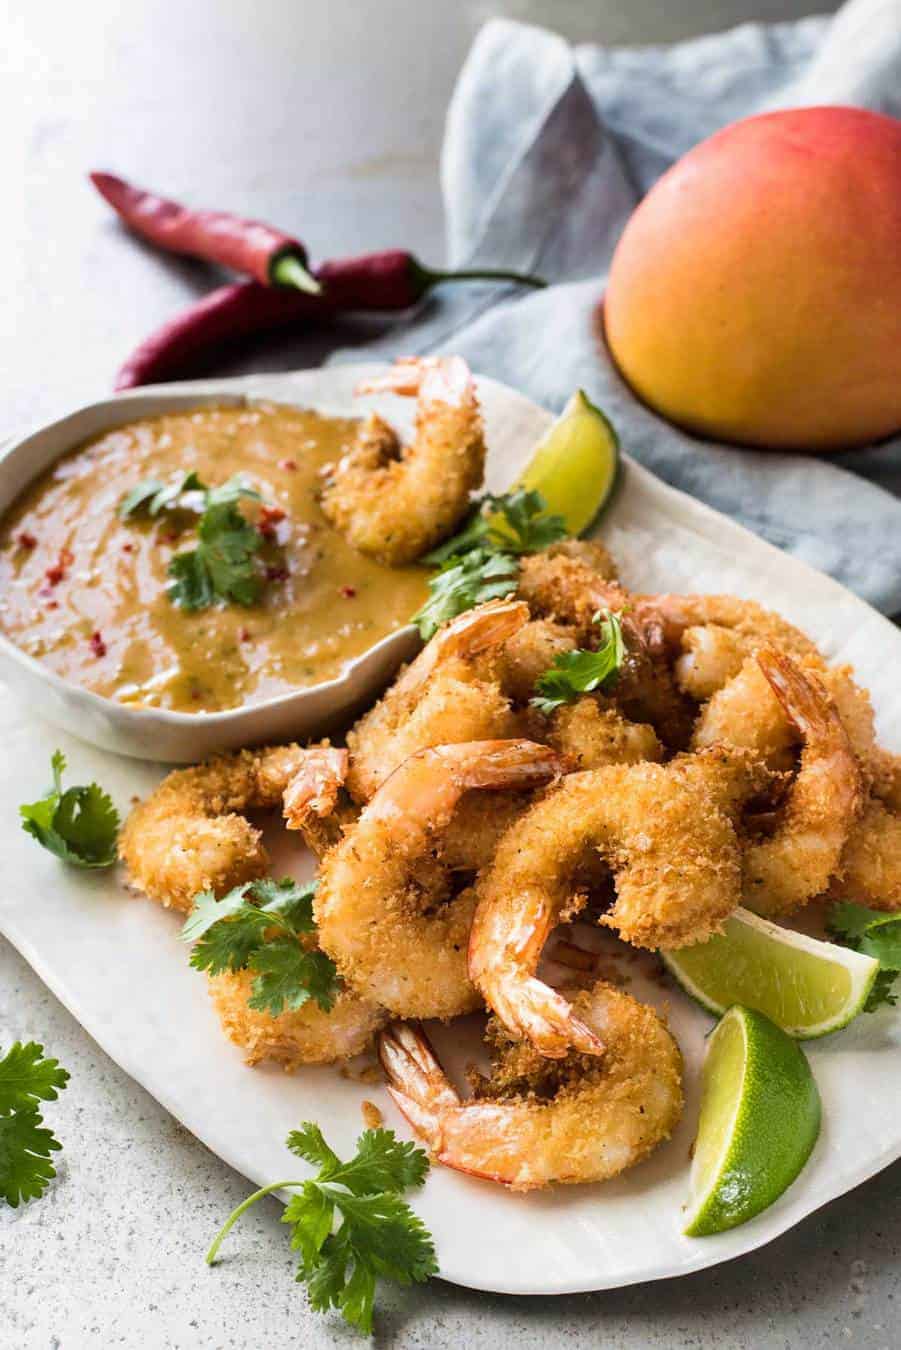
[79,825]
[464,583]
[223,566]
[256,927]
[26,1079]
[580,671]
[875,934]
[349,1223]
[514,522]
[480,563]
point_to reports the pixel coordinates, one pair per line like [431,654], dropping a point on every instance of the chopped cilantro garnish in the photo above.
[349,1223]
[256,927]
[516,522]
[875,934]
[582,672]
[27,1078]
[79,825]
[464,582]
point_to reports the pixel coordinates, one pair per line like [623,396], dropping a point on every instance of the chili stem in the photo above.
[242,1209]
[433,277]
[288,270]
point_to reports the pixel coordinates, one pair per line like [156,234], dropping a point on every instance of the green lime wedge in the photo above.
[808,988]
[760,1117]
[575,464]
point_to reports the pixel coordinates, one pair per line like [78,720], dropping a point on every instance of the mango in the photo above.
[755,294]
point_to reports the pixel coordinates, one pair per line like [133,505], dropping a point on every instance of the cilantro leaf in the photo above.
[288,976]
[79,825]
[25,1148]
[222,566]
[463,583]
[26,1078]
[256,927]
[377,1236]
[309,1143]
[153,497]
[876,934]
[515,522]
[582,672]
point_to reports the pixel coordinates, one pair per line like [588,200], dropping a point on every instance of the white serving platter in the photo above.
[114,960]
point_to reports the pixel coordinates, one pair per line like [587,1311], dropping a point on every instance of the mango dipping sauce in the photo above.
[84,591]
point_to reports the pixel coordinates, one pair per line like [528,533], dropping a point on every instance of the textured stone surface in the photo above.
[326,118]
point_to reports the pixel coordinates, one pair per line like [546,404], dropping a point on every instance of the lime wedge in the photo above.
[575,464]
[760,1117]
[806,987]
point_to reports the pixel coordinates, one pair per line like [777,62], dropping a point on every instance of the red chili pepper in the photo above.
[233,311]
[270,256]
[394,279]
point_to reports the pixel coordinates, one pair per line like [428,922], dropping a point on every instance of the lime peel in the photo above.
[807,987]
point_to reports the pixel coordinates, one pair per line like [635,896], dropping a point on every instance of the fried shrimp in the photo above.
[668,838]
[444,696]
[592,733]
[870,868]
[191,835]
[307,1035]
[750,624]
[396,502]
[383,910]
[534,1122]
[786,870]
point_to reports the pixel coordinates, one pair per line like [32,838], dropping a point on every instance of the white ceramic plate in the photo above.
[114,961]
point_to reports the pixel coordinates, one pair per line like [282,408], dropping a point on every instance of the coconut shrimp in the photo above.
[383,910]
[533,1122]
[444,696]
[870,868]
[750,624]
[560,586]
[784,871]
[191,835]
[592,733]
[667,835]
[307,1035]
[396,502]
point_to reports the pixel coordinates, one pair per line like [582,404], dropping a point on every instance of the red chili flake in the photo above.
[348,592]
[26,540]
[57,571]
[127,548]
[243,634]
[52,604]
[290,465]
[276,573]
[269,518]
[98,646]
[195,693]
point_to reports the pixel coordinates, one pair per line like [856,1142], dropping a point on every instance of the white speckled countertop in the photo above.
[263,105]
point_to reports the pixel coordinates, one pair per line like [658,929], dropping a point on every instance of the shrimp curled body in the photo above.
[395,934]
[534,1122]
[191,835]
[396,503]
[677,867]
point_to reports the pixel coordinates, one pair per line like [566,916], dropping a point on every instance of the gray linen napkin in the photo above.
[547,150]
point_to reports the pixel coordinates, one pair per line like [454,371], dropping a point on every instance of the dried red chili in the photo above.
[234,311]
[98,646]
[269,255]
[348,592]
[26,540]
[58,570]
[270,516]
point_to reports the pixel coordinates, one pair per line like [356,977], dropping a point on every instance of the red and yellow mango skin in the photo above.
[755,294]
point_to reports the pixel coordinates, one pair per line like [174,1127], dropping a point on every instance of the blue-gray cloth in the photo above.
[547,150]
